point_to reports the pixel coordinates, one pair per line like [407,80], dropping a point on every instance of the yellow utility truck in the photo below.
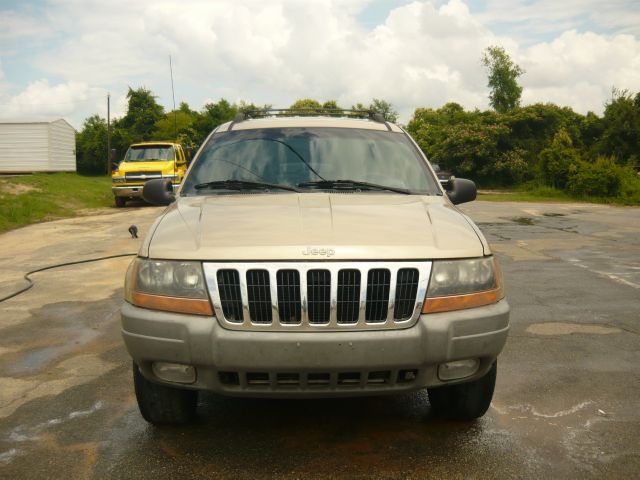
[147,161]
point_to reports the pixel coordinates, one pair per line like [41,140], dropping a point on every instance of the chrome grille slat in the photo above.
[378,283]
[259,296]
[349,284]
[231,299]
[317,296]
[406,288]
[289,304]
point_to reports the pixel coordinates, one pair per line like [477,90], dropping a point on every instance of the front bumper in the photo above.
[133,191]
[127,191]
[227,360]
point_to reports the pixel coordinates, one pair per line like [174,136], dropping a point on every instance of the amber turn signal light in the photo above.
[460,302]
[194,306]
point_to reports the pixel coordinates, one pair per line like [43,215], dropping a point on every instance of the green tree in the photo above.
[142,114]
[332,105]
[120,140]
[212,115]
[306,106]
[503,79]
[252,108]
[385,109]
[621,134]
[176,125]
[558,159]
[91,146]
[591,128]
[601,178]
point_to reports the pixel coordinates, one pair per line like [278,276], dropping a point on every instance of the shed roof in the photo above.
[30,121]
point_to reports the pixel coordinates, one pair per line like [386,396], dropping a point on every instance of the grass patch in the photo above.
[629,195]
[49,196]
[528,194]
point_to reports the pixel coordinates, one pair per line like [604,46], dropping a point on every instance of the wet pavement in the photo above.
[567,401]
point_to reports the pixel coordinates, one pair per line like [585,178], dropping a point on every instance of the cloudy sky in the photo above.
[59,58]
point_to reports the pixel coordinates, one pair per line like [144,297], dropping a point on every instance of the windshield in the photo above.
[297,156]
[149,153]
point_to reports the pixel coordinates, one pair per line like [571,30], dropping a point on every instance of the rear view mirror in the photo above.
[159,191]
[461,190]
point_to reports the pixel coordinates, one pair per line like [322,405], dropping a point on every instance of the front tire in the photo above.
[120,202]
[162,405]
[464,401]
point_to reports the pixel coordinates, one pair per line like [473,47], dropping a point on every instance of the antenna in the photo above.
[175,128]
[173,94]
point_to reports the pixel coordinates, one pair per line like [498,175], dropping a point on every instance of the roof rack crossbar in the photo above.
[330,112]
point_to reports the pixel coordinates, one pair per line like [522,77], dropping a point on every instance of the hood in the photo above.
[313,226]
[153,166]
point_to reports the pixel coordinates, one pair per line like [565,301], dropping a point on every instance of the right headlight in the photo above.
[172,286]
[459,284]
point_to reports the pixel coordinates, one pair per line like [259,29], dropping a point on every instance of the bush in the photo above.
[600,179]
[629,187]
[558,160]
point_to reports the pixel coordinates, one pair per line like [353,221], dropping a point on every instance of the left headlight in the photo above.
[172,286]
[459,284]
[118,179]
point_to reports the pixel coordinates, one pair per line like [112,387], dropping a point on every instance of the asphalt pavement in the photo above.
[567,400]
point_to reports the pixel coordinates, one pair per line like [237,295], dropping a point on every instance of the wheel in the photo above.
[160,404]
[464,401]
[120,202]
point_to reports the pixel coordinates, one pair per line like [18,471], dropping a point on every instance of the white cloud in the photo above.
[423,54]
[39,100]
[529,18]
[579,69]
[15,25]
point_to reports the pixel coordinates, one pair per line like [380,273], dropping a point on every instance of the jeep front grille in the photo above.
[317,295]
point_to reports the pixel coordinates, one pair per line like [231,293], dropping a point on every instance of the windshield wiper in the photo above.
[243,185]
[354,184]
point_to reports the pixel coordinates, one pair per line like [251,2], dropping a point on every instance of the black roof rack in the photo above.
[308,112]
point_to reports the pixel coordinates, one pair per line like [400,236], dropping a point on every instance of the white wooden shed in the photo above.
[47,146]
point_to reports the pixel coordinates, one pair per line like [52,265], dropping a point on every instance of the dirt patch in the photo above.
[523,220]
[559,328]
[16,188]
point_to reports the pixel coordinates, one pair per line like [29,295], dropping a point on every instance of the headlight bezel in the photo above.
[485,290]
[153,284]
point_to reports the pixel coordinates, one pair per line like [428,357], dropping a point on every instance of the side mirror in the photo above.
[461,190]
[159,191]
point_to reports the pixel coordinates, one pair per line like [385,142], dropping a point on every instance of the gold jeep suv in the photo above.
[313,256]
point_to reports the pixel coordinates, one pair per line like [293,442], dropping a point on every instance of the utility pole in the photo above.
[109,159]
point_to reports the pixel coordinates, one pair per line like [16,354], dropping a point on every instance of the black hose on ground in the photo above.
[58,265]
